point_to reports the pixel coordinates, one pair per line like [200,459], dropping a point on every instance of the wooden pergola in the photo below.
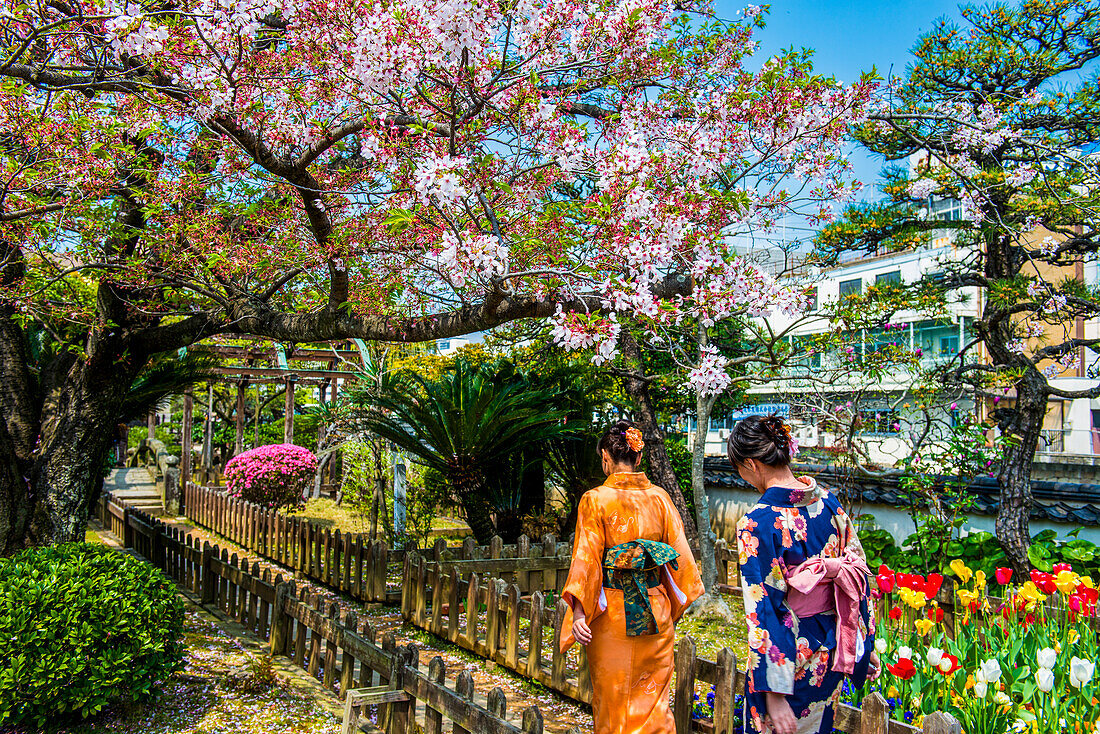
[271,365]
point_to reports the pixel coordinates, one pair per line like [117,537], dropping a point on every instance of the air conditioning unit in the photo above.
[723,433]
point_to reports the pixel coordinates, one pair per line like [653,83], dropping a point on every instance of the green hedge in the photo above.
[81,627]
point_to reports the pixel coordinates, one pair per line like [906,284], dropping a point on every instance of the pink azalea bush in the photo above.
[276,475]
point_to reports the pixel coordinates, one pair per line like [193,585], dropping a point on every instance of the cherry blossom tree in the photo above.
[397,171]
[999,114]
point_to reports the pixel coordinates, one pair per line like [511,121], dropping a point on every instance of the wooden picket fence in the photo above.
[346,562]
[469,606]
[328,642]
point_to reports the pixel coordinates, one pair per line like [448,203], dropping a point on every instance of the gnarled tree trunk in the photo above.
[1024,421]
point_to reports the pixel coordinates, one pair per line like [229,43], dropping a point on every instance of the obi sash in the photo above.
[833,585]
[634,567]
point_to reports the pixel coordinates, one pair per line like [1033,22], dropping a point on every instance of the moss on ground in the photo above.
[325,512]
[711,634]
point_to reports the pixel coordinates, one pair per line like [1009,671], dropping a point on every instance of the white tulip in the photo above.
[934,656]
[980,689]
[945,665]
[1047,658]
[979,676]
[880,646]
[991,670]
[1080,671]
[1001,698]
[904,653]
[1044,678]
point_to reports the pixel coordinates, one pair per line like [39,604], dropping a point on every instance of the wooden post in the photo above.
[523,550]
[433,720]
[127,531]
[724,710]
[497,703]
[185,449]
[209,589]
[492,623]
[151,423]
[453,603]
[464,688]
[347,662]
[557,664]
[532,720]
[875,715]
[280,620]
[940,723]
[534,636]
[238,417]
[472,601]
[685,685]
[330,645]
[208,435]
[288,419]
[511,634]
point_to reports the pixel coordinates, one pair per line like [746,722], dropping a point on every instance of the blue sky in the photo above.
[848,37]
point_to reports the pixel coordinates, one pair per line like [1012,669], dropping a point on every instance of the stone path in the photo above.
[135,486]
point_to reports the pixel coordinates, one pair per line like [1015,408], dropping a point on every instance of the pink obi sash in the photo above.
[832,585]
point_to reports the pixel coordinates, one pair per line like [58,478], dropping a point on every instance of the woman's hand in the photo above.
[581,631]
[783,720]
[874,668]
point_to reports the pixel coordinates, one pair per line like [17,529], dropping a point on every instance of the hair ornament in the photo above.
[634,439]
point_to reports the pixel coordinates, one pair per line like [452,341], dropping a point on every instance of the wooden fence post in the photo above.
[209,588]
[874,715]
[437,673]
[532,720]
[534,636]
[280,621]
[724,709]
[347,662]
[497,703]
[127,531]
[464,688]
[941,723]
[685,685]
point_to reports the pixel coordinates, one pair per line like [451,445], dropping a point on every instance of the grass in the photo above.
[200,699]
[325,512]
[711,634]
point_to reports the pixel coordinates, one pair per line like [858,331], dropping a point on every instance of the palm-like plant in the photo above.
[482,428]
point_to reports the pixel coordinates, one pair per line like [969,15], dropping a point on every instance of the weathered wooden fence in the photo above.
[469,606]
[332,644]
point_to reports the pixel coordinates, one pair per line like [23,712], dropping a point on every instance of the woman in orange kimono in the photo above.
[631,577]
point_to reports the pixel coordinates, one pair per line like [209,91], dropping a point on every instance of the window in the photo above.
[443,345]
[851,288]
[879,421]
[891,278]
[811,299]
[949,345]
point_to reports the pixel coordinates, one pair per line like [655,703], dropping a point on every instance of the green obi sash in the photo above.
[634,567]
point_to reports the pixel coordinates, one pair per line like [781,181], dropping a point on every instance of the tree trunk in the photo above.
[660,468]
[703,406]
[1024,421]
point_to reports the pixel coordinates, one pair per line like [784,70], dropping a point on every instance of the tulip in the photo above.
[924,626]
[979,578]
[1044,678]
[880,646]
[935,614]
[1061,567]
[967,597]
[1004,576]
[1001,698]
[885,582]
[934,656]
[904,652]
[904,669]
[980,689]
[895,612]
[1047,657]
[1066,582]
[1030,593]
[1080,671]
[933,584]
[949,664]
[961,570]
[991,670]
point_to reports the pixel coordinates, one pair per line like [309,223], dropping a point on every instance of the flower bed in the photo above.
[1019,659]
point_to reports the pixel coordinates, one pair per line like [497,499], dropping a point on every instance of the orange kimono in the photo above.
[630,674]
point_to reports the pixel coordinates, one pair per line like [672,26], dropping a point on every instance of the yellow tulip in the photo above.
[1072,636]
[924,626]
[1066,581]
[1087,581]
[961,570]
[915,599]
[967,597]
[1030,593]
[979,579]
[892,692]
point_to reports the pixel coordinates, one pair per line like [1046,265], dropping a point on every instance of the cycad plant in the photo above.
[483,428]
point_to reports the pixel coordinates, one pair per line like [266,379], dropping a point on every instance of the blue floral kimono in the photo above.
[791,655]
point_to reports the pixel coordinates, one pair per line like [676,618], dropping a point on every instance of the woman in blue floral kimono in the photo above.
[806,591]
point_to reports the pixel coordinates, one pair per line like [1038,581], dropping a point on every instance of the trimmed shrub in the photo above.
[82,627]
[275,476]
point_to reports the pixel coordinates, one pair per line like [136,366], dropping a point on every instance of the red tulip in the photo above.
[935,614]
[954,664]
[904,669]
[895,613]
[1029,620]
[1004,576]
[1059,567]
[1092,595]
[886,583]
[932,586]
[885,570]
[1036,576]
[1048,586]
